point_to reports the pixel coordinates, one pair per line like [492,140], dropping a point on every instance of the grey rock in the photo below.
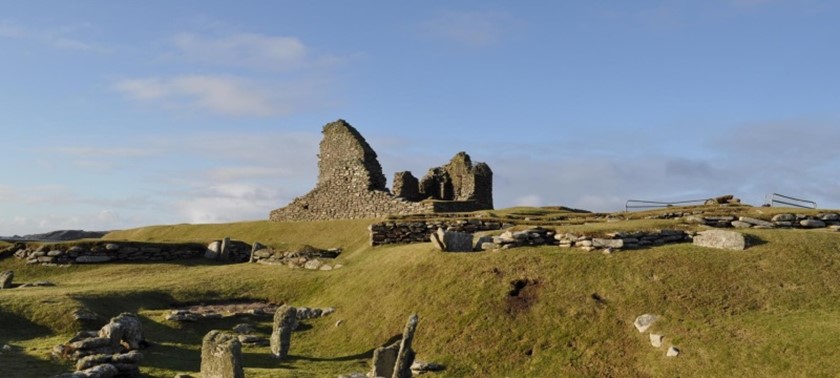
[672,352]
[112,247]
[224,251]
[100,371]
[6,278]
[85,314]
[92,259]
[643,322]
[756,222]
[384,359]
[831,217]
[124,329]
[354,375]
[740,224]
[213,250]
[313,264]
[420,367]
[479,245]
[721,239]
[221,356]
[405,356]
[455,241]
[783,218]
[607,243]
[285,321]
[243,328]
[656,340]
[812,223]
[437,239]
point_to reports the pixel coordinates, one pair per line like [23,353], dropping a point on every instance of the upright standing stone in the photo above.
[224,252]
[285,320]
[6,278]
[256,247]
[221,356]
[384,360]
[405,357]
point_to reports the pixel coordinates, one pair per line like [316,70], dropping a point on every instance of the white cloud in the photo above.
[470,28]
[225,95]
[249,50]
[229,202]
[60,38]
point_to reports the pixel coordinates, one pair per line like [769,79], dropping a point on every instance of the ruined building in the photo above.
[351,184]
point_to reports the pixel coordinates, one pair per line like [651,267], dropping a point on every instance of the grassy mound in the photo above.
[771,310]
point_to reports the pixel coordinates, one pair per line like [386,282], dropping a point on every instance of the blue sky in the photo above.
[123,114]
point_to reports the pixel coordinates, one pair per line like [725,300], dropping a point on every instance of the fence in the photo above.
[776,198]
[643,204]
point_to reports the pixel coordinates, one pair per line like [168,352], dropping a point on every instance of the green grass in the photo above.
[771,310]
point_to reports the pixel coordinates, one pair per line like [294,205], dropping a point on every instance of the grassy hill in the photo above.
[771,310]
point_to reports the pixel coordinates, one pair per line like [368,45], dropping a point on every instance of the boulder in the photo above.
[756,222]
[656,340]
[6,278]
[812,223]
[607,243]
[312,264]
[672,352]
[124,329]
[784,218]
[643,322]
[721,239]
[221,356]
[741,224]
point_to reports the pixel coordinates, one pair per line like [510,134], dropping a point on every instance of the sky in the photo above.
[124,114]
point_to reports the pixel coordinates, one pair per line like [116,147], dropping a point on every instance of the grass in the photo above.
[771,310]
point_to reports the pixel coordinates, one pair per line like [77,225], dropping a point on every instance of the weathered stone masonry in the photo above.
[351,184]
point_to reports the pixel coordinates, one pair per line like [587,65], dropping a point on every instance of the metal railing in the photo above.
[773,199]
[642,204]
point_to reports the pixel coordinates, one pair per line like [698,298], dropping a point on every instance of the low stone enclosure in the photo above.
[225,250]
[420,231]
[351,184]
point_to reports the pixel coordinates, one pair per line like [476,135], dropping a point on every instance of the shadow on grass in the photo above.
[16,363]
[366,355]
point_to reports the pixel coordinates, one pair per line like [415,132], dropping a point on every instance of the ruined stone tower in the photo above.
[351,184]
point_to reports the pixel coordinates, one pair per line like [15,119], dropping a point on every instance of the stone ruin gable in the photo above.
[347,162]
[460,180]
[351,184]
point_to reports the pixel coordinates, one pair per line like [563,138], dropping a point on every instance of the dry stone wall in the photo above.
[421,231]
[351,184]
[102,252]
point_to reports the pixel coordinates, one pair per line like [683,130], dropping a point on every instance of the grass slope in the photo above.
[772,310]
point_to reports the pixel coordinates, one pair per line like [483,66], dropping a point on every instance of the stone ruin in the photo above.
[351,184]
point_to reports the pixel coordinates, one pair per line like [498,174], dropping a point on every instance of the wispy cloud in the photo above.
[470,28]
[60,38]
[224,95]
[249,50]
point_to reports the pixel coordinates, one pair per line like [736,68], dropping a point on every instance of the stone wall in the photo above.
[421,231]
[351,184]
[101,252]
[785,220]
